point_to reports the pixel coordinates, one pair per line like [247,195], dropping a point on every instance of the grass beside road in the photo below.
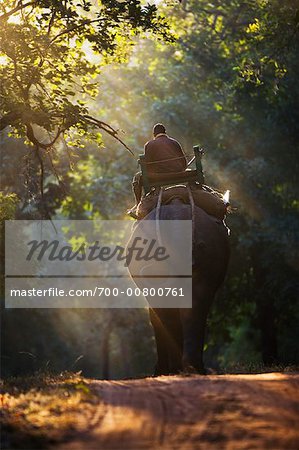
[41,410]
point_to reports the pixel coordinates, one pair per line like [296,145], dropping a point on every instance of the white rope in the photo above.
[157,216]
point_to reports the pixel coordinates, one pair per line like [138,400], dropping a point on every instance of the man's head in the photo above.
[158,129]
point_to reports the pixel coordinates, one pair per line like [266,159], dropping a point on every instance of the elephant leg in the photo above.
[169,340]
[194,324]
[161,367]
[173,325]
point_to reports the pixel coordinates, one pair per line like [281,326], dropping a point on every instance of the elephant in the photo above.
[179,332]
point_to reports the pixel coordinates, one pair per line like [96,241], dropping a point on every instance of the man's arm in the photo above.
[146,148]
[150,152]
[182,153]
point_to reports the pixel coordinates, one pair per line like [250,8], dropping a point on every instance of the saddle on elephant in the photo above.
[203,196]
[188,186]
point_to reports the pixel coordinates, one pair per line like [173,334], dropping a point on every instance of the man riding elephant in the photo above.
[163,154]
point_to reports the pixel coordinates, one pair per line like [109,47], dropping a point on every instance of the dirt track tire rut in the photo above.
[197,412]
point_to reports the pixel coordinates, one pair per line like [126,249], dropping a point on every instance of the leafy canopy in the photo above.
[51,52]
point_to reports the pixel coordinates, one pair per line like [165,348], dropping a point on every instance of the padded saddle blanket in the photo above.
[205,198]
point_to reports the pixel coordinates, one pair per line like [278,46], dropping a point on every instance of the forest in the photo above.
[82,84]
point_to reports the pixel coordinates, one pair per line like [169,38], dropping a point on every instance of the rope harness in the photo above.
[157,216]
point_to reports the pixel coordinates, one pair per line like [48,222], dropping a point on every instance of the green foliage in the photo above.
[51,52]
[230,83]
[8,204]
[100,187]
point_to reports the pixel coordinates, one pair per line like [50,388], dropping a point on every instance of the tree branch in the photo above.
[42,171]
[19,7]
[12,117]
[108,129]
[32,138]
[9,119]
[73,28]
[60,182]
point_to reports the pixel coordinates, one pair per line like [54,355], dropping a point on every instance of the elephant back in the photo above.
[205,198]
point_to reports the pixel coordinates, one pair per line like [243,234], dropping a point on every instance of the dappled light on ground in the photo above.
[210,412]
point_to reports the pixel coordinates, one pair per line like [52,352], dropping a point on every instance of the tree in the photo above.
[51,54]
[230,83]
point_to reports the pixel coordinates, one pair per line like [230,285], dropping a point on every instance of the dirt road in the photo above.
[211,412]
